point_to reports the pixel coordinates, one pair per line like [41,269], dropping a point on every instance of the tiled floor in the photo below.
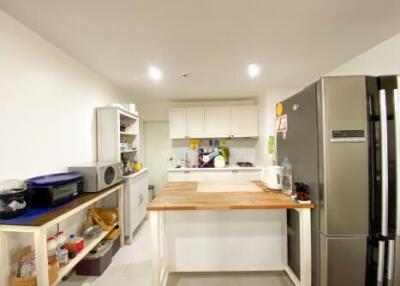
[132,266]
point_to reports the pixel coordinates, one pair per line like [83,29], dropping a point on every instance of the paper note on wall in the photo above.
[281,124]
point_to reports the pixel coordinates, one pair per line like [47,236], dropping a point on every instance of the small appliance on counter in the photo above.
[12,199]
[55,189]
[99,175]
[273,177]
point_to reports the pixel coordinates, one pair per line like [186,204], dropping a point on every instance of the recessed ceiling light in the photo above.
[155,73]
[253,70]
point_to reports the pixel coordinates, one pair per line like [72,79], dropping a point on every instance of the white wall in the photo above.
[380,60]
[47,105]
[47,113]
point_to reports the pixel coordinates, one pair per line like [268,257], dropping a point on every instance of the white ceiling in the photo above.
[214,40]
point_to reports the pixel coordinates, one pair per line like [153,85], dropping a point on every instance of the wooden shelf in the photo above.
[89,245]
[59,214]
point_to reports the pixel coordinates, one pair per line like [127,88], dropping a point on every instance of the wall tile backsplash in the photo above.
[241,150]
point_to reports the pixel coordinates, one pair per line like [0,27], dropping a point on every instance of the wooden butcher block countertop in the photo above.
[184,196]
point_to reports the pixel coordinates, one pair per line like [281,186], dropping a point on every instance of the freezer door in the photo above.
[343,261]
[343,147]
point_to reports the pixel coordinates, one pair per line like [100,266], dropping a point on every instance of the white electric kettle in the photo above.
[273,177]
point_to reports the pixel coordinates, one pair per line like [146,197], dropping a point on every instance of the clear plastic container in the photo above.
[287,183]
[63,256]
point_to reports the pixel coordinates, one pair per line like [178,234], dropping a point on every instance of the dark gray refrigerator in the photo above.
[329,143]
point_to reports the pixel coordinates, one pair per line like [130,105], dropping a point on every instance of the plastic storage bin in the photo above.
[95,264]
[116,245]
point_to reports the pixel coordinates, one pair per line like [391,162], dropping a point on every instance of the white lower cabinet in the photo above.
[220,176]
[214,175]
[248,175]
[195,176]
[177,176]
[136,199]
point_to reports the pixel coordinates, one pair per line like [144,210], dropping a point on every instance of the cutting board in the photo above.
[225,187]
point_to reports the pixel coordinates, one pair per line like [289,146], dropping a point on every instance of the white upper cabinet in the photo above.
[217,122]
[195,122]
[177,123]
[244,121]
[213,122]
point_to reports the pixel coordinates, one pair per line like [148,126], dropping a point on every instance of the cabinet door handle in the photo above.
[381,261]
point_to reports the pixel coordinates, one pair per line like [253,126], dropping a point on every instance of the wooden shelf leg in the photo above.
[40,245]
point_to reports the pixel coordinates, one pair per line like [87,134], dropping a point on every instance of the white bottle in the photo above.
[51,247]
[287,176]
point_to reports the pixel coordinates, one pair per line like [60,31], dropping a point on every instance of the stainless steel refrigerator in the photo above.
[332,139]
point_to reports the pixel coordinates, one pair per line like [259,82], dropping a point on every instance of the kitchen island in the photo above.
[199,226]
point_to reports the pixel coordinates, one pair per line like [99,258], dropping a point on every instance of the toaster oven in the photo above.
[53,190]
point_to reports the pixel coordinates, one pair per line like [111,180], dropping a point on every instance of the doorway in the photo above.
[157,152]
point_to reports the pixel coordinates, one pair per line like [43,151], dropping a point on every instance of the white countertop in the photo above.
[227,168]
[133,175]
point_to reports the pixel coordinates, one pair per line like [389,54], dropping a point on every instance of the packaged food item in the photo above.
[75,245]
[27,266]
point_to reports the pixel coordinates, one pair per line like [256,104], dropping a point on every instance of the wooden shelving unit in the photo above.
[40,225]
[116,126]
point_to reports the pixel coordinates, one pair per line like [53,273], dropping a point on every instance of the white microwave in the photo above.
[99,175]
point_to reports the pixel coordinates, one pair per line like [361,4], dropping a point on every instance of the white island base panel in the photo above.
[231,240]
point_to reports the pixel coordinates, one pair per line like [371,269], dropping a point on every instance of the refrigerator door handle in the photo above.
[381,261]
[390,260]
[384,161]
[396,101]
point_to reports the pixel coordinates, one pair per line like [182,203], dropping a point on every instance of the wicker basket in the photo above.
[31,281]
